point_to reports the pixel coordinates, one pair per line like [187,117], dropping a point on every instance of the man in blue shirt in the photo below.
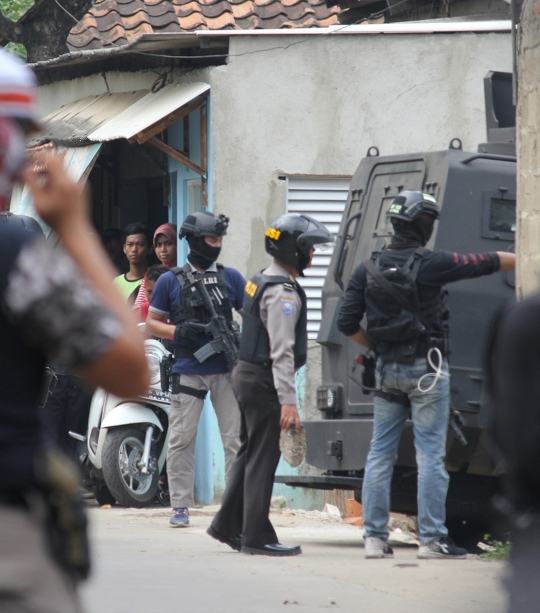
[176,312]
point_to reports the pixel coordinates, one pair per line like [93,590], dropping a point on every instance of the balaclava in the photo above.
[409,234]
[201,254]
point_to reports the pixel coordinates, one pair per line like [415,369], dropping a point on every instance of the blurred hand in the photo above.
[59,201]
[289,417]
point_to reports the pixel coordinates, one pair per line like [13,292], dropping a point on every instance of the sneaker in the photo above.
[377,548]
[180,518]
[443,548]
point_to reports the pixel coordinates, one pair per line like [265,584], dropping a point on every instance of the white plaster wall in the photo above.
[315,108]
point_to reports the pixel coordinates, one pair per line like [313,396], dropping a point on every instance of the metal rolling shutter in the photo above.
[324,200]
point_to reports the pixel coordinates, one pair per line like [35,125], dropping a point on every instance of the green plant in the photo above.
[495,550]
[14,10]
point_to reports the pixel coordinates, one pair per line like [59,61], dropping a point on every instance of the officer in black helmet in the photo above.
[400,292]
[177,312]
[273,346]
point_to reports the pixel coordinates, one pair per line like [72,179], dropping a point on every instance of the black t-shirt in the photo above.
[436,270]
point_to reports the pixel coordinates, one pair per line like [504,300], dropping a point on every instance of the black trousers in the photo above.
[522,583]
[66,409]
[246,502]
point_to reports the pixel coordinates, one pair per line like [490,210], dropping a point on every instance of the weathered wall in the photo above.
[315,107]
[528,150]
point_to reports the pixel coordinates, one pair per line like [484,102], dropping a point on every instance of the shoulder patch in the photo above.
[250,289]
[287,305]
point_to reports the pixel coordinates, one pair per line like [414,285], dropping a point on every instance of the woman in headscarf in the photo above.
[165,250]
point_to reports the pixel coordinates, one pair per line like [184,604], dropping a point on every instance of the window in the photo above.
[499,216]
[324,200]
[502,215]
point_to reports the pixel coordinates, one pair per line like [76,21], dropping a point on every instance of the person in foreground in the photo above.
[54,305]
[513,384]
[405,327]
[273,347]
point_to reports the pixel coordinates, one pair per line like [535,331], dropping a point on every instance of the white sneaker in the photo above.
[442,548]
[377,547]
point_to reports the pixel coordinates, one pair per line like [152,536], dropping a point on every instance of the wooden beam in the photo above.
[176,155]
[180,113]
[204,154]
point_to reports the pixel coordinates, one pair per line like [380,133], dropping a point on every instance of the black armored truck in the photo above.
[477,196]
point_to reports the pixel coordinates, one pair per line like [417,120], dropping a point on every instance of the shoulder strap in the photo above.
[181,273]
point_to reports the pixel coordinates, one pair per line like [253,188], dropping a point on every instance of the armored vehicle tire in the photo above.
[122,451]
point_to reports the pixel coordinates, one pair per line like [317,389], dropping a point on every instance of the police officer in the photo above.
[173,300]
[405,326]
[273,346]
[53,304]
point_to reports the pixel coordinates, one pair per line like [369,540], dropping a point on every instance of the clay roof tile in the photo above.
[119,21]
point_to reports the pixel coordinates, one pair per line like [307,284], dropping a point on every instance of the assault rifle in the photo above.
[225,335]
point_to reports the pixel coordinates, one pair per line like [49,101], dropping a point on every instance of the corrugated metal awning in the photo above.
[136,115]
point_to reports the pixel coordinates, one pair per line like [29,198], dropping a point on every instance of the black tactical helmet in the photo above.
[203,223]
[289,238]
[22,221]
[408,205]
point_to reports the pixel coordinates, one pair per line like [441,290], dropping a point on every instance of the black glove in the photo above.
[186,331]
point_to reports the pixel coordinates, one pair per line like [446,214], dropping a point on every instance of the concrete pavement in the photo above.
[143,566]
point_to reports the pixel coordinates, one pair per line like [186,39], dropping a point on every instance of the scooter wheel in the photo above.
[122,451]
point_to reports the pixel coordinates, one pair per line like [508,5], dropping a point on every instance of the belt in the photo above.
[184,352]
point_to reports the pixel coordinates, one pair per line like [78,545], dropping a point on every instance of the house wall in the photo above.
[313,105]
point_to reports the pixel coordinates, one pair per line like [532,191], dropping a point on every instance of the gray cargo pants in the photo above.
[184,420]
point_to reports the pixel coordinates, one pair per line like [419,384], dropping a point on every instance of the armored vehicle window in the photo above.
[502,215]
[499,216]
[383,223]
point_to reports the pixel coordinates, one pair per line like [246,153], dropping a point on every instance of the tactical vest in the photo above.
[192,308]
[254,343]
[396,319]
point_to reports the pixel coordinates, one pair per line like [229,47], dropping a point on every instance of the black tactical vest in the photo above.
[192,308]
[254,342]
[21,382]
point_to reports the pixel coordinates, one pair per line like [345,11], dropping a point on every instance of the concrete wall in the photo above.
[315,107]
[528,150]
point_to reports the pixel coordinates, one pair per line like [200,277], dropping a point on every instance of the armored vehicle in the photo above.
[477,195]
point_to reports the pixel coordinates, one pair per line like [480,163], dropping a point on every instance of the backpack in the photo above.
[392,305]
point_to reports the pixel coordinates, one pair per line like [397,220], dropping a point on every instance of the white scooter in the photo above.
[127,439]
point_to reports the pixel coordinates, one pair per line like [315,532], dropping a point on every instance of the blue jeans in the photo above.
[430,416]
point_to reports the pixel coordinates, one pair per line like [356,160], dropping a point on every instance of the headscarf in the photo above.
[168,229]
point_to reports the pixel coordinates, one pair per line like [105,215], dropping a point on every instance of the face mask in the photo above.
[412,233]
[202,254]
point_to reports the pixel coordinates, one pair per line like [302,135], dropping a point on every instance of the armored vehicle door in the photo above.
[363,230]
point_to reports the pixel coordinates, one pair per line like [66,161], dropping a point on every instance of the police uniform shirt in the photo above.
[167,298]
[279,309]
[436,270]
